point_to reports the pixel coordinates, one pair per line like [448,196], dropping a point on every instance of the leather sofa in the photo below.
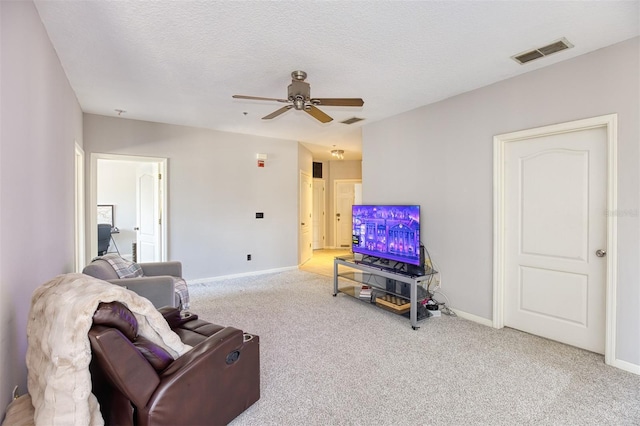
[138,383]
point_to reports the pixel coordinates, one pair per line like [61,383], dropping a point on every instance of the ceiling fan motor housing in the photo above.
[299,93]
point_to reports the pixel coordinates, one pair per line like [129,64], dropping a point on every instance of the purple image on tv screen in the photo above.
[387,232]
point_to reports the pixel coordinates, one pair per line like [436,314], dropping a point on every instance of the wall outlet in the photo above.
[436,283]
[248,257]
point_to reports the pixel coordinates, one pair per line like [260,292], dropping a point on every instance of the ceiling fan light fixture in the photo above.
[338,153]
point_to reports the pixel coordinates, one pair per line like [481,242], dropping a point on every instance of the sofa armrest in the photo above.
[187,383]
[212,351]
[176,318]
[124,364]
[159,290]
[173,268]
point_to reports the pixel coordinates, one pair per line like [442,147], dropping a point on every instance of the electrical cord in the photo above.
[443,306]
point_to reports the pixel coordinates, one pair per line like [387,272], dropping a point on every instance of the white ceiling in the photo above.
[180,62]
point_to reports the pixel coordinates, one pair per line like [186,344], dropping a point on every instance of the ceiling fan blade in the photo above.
[257,98]
[355,102]
[277,112]
[317,114]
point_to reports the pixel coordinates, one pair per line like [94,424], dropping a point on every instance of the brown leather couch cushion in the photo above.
[157,356]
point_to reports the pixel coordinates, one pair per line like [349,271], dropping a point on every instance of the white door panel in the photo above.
[318,214]
[148,233]
[555,191]
[306,219]
[345,198]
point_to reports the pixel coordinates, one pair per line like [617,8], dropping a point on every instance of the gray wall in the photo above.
[442,159]
[40,120]
[215,189]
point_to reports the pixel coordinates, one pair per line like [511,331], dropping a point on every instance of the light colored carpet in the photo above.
[338,361]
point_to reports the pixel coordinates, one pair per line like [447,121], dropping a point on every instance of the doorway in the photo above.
[554,249]
[136,187]
[345,195]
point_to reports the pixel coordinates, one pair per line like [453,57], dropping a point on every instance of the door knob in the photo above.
[601,253]
[136,229]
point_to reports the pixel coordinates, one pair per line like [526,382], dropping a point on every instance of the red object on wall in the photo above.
[260,163]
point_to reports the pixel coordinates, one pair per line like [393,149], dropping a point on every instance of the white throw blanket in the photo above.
[59,352]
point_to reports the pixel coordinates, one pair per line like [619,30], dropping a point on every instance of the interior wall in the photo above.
[448,169]
[215,190]
[40,121]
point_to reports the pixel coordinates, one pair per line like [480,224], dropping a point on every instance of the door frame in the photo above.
[93,198]
[610,123]
[334,222]
[79,216]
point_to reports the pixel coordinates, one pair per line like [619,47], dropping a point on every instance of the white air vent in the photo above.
[352,120]
[541,52]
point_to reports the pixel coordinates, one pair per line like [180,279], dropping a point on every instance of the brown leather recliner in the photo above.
[138,383]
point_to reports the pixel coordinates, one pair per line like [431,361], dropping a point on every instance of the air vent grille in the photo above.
[352,120]
[541,52]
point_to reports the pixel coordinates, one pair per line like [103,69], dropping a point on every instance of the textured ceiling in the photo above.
[180,62]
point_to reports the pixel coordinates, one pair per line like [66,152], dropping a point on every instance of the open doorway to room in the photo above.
[330,179]
[129,193]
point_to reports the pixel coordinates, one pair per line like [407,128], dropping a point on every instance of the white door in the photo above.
[306,225]
[318,214]
[148,213]
[555,200]
[345,196]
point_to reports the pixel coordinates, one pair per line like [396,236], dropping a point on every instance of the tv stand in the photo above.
[350,282]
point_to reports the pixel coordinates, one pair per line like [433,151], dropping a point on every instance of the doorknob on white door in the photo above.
[136,229]
[601,253]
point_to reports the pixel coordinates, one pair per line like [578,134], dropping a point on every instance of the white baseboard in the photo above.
[472,317]
[241,275]
[626,366]
[618,363]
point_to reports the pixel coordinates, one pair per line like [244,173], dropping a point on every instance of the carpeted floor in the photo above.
[337,361]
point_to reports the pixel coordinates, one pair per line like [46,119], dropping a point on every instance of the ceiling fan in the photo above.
[299,97]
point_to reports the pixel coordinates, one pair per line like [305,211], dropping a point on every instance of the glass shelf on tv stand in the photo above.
[356,273]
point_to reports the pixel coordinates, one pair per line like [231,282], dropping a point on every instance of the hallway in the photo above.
[322,261]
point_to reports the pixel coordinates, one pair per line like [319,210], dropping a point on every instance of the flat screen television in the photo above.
[387,232]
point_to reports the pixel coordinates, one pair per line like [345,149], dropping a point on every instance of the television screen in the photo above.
[387,232]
